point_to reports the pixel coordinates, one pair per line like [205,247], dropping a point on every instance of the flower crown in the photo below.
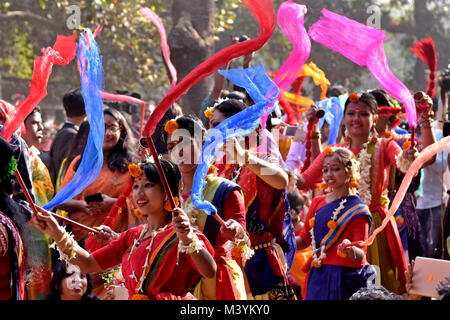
[354,98]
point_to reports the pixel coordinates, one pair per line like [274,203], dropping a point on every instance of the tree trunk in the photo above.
[191,42]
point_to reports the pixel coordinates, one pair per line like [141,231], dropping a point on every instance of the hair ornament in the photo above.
[328,151]
[135,170]
[354,98]
[171,126]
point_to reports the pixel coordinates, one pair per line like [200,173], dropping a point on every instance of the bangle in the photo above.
[66,246]
[195,246]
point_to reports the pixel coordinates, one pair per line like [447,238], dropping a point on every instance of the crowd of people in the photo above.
[291,224]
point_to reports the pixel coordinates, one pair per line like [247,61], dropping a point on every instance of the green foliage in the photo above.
[131,49]
[19,55]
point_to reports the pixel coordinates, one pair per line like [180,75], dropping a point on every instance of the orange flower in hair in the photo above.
[328,151]
[354,98]
[208,113]
[168,205]
[135,170]
[311,222]
[171,126]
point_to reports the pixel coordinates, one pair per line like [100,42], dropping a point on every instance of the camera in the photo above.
[241,38]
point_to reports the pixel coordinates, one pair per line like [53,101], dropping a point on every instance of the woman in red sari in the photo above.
[376,156]
[161,259]
[184,137]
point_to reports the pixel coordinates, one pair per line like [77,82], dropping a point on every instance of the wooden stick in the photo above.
[35,211]
[164,179]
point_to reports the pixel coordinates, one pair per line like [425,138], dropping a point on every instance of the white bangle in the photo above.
[66,246]
[195,246]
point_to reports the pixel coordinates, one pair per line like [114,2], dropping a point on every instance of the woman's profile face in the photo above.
[112,133]
[184,151]
[216,118]
[74,285]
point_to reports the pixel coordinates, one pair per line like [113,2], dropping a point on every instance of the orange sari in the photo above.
[110,183]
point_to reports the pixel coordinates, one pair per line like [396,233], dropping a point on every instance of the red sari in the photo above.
[387,251]
[170,275]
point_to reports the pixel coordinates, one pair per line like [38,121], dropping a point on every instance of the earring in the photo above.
[138,214]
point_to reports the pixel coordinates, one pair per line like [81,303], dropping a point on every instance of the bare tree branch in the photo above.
[27,15]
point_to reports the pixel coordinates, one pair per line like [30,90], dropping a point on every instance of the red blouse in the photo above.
[385,157]
[357,230]
[184,277]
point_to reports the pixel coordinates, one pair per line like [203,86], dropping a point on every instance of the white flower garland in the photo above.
[365,160]
[148,248]
[338,209]
[318,259]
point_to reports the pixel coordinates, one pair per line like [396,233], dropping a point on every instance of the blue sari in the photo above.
[334,282]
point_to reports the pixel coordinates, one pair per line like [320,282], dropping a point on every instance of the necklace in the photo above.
[332,224]
[365,165]
[145,267]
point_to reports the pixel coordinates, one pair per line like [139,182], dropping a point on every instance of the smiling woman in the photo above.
[162,258]
[111,182]
[376,156]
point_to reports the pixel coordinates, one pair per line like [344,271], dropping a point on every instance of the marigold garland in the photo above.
[388,135]
[353,97]
[138,296]
[135,170]
[341,254]
[171,126]
[332,224]
[354,184]
[322,186]
[406,145]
